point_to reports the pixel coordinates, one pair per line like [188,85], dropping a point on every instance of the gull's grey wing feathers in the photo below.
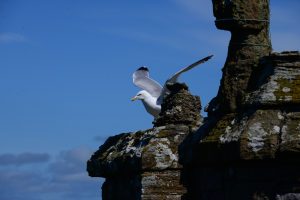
[174,78]
[142,80]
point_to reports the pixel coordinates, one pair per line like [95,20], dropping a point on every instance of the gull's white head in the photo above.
[149,102]
[141,95]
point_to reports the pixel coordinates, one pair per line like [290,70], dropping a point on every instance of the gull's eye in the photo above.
[139,94]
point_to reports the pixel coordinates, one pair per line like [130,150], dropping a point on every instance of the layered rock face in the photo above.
[248,148]
[253,153]
[141,165]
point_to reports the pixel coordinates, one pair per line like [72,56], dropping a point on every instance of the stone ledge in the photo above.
[279,82]
[131,153]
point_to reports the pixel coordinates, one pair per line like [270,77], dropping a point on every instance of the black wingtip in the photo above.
[208,57]
[143,68]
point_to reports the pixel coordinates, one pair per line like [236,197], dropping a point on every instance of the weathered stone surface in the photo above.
[180,107]
[279,83]
[267,124]
[162,185]
[153,149]
[248,22]
[241,15]
[248,146]
[137,165]
[289,196]
[290,136]
[246,123]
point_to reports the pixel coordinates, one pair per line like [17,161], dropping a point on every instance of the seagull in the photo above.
[152,92]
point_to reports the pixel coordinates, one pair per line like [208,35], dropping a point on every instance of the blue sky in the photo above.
[65,79]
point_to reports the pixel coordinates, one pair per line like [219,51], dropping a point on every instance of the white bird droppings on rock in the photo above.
[257,136]
[276,129]
[286,89]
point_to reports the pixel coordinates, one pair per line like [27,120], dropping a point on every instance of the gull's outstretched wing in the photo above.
[142,80]
[174,78]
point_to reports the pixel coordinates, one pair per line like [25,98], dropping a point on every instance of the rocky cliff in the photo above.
[247,148]
[144,164]
[253,153]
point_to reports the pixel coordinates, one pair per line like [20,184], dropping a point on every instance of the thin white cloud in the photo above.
[23,158]
[12,38]
[153,37]
[63,177]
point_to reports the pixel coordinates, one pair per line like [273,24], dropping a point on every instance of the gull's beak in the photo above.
[134,98]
